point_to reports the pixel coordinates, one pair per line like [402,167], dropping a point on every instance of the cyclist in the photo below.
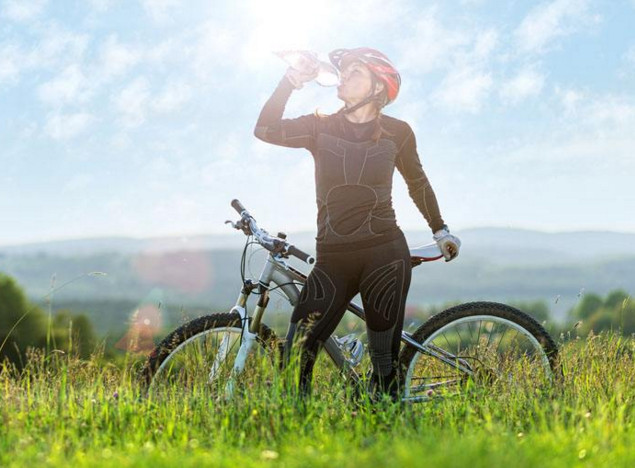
[360,248]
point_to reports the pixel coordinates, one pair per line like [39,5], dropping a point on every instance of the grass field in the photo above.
[62,411]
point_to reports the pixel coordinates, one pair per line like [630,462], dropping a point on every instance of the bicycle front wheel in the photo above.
[198,359]
[478,345]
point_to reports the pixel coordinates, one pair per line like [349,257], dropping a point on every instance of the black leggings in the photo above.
[382,275]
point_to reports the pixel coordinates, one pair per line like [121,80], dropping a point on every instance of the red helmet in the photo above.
[376,62]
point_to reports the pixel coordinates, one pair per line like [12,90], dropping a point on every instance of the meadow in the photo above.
[62,411]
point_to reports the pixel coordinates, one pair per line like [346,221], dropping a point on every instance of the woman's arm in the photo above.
[272,128]
[419,187]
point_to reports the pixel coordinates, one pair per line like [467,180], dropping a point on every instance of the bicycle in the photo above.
[471,345]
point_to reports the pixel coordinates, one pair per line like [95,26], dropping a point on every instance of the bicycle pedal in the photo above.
[352,347]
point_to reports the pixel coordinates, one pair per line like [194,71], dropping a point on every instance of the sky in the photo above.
[135,118]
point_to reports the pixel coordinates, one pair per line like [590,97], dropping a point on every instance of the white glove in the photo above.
[448,243]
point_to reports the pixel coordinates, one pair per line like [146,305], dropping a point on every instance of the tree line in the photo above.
[24,325]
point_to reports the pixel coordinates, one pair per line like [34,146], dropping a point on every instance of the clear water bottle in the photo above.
[306,61]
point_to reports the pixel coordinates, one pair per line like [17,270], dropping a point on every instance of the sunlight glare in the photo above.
[285,24]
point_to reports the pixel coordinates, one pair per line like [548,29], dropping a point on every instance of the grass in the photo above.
[61,411]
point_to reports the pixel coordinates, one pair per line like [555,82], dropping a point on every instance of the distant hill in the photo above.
[497,244]
[202,272]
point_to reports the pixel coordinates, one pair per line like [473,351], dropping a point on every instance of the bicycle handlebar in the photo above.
[271,243]
[239,207]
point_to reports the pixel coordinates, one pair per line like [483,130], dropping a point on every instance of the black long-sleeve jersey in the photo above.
[353,171]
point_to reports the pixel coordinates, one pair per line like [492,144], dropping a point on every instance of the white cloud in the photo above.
[132,102]
[67,126]
[431,46]
[570,99]
[101,6]
[464,90]
[526,83]
[117,58]
[216,45]
[23,10]
[10,63]
[610,112]
[551,20]
[54,48]
[70,86]
[160,10]
[172,97]
[486,43]
[57,46]
[78,183]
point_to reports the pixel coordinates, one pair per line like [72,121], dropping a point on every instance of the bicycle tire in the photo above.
[198,329]
[473,359]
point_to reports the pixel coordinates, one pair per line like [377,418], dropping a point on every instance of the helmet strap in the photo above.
[373,97]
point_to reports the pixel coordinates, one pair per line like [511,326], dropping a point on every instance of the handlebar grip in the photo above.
[305,257]
[238,206]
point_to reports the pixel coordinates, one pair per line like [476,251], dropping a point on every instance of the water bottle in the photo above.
[306,61]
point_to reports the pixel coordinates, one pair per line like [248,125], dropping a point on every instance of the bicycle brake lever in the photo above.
[233,224]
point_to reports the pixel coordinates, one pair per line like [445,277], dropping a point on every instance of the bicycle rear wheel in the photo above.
[198,358]
[478,345]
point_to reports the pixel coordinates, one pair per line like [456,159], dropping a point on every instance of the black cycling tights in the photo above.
[382,275]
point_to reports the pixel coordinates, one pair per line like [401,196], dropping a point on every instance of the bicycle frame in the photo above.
[285,277]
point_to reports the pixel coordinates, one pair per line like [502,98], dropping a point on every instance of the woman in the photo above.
[360,248]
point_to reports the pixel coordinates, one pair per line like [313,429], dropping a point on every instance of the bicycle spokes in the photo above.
[477,351]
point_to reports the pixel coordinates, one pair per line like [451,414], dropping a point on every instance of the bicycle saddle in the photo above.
[425,253]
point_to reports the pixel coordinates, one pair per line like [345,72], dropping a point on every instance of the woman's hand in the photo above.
[298,77]
[448,243]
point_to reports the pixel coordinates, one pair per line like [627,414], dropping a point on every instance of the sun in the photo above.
[285,24]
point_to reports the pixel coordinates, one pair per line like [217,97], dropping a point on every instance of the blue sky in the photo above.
[135,118]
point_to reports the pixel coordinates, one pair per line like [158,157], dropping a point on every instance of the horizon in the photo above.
[232,233]
[135,119]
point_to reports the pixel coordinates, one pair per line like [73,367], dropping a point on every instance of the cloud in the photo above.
[54,47]
[610,112]
[431,46]
[132,102]
[117,58]
[10,63]
[570,99]
[70,86]
[551,20]
[160,10]
[67,126]
[57,46]
[101,6]
[526,83]
[23,10]
[464,90]
[594,128]
[78,182]
[172,97]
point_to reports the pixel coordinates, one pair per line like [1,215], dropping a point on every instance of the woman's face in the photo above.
[355,82]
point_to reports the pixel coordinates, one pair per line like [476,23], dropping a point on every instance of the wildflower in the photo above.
[269,455]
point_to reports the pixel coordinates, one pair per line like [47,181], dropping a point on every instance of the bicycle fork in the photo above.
[249,334]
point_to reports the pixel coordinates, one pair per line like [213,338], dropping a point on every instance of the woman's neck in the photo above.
[363,114]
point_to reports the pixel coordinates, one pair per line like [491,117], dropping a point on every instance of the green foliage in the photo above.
[73,333]
[615,312]
[21,324]
[589,304]
[24,326]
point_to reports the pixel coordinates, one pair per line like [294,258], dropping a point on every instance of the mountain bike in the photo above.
[471,345]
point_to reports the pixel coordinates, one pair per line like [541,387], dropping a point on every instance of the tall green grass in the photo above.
[63,411]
